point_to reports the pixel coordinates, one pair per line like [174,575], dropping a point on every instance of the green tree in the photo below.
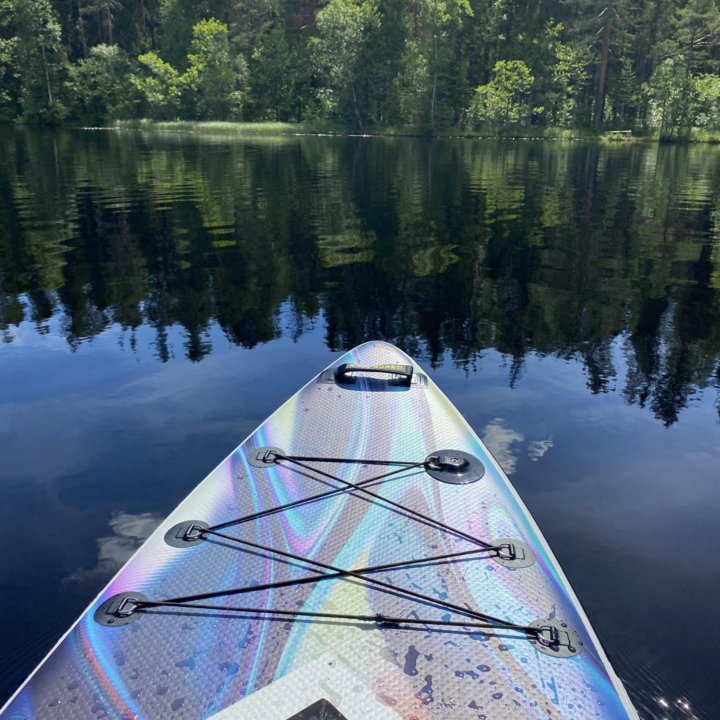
[698,33]
[706,92]
[215,78]
[671,94]
[432,84]
[99,84]
[177,19]
[249,20]
[104,13]
[159,86]
[564,80]
[505,99]
[38,59]
[603,28]
[279,78]
[9,80]
[342,30]
[380,64]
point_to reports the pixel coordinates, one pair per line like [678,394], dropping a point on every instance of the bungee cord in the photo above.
[476,619]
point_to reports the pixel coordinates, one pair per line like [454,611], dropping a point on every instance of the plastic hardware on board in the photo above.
[454,466]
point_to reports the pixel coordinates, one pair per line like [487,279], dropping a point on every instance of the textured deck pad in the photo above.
[189,663]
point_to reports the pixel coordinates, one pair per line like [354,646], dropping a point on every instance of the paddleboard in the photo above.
[360,555]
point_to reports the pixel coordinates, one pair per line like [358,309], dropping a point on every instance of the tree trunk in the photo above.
[432,102]
[47,76]
[81,29]
[355,106]
[109,24]
[604,57]
[434,90]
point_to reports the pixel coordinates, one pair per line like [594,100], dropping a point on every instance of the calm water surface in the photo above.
[160,296]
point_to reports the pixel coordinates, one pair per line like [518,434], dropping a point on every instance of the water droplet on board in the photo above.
[120,657]
[230,667]
[187,662]
[411,661]
[425,694]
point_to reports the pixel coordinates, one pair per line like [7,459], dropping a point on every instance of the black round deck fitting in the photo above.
[454,466]
[186,533]
[263,457]
[119,610]
[513,554]
[556,638]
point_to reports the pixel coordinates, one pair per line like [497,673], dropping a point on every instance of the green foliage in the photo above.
[671,96]
[562,77]
[98,85]
[427,64]
[342,30]
[36,59]
[413,84]
[505,99]
[441,26]
[177,19]
[698,33]
[279,78]
[8,80]
[159,86]
[707,98]
[215,79]
[213,86]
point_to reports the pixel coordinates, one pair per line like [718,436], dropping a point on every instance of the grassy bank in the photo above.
[329,128]
[320,127]
[694,135]
[206,127]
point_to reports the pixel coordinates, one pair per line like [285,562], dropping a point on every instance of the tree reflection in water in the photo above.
[451,245]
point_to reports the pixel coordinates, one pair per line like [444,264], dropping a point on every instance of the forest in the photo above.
[650,66]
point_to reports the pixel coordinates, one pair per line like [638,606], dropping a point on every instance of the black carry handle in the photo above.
[344,373]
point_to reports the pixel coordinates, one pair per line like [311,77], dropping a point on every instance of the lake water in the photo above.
[160,296]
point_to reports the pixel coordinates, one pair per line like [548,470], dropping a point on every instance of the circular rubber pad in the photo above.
[454,466]
[568,642]
[264,457]
[513,554]
[186,534]
[116,611]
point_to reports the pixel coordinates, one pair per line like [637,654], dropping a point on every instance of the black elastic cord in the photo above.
[348,573]
[409,511]
[378,618]
[377,479]
[353,461]
[331,575]
[332,572]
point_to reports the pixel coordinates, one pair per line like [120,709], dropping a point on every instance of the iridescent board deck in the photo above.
[410,641]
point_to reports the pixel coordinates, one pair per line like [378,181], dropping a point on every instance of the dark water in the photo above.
[160,296]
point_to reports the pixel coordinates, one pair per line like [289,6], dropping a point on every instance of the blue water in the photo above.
[159,297]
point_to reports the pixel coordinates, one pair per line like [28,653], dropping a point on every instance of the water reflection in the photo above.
[129,532]
[452,246]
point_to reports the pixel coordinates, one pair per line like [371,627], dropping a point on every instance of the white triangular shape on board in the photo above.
[326,678]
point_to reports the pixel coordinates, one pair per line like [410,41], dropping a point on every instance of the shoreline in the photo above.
[321,128]
[221,128]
